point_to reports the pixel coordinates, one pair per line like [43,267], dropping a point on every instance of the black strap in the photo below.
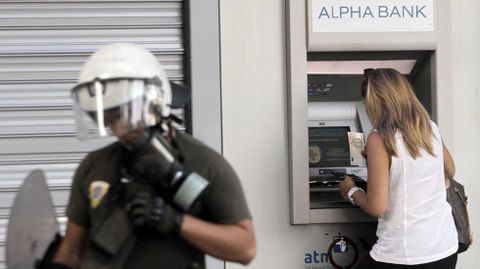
[47,261]
[59,266]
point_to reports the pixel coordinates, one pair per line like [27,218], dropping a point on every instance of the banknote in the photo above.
[357,145]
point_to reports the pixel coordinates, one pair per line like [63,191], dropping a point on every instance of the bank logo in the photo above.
[339,244]
[355,16]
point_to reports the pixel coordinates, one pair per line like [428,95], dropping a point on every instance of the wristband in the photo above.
[351,192]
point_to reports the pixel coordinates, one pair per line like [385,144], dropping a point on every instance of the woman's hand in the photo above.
[345,185]
[364,151]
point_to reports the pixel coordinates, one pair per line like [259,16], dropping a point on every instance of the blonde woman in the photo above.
[407,162]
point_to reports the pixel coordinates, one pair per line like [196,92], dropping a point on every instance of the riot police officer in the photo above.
[156,198]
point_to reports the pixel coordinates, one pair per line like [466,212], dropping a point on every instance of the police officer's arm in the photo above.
[231,242]
[70,249]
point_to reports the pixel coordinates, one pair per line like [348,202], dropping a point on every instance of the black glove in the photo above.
[150,210]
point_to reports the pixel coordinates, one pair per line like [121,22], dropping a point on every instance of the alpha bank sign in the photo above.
[330,16]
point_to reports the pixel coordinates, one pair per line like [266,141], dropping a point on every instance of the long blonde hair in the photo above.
[392,105]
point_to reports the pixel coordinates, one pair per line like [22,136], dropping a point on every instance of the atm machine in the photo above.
[329,44]
[329,146]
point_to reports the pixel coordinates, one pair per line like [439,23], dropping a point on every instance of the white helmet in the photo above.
[123,82]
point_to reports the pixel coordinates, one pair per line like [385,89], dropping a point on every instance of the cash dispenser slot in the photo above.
[324,190]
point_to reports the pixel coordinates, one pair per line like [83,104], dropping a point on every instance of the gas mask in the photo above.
[153,161]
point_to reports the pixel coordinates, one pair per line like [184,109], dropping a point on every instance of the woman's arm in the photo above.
[375,201]
[233,242]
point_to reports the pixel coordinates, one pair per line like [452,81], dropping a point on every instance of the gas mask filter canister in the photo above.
[152,161]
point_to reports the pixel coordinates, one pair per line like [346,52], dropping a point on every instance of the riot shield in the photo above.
[32,225]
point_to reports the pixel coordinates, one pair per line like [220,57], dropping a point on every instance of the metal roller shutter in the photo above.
[43,45]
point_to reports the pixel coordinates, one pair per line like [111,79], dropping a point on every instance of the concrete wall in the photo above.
[465,142]
[254,120]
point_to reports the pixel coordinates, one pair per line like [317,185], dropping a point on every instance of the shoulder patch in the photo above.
[97,191]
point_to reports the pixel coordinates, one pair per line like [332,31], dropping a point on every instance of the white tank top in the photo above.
[417,226]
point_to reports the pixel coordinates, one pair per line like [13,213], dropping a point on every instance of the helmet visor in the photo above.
[116,106]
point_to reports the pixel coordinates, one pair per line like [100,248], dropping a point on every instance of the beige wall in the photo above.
[466,111]
[255,121]
[254,118]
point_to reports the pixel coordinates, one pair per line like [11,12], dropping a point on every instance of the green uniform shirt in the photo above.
[223,201]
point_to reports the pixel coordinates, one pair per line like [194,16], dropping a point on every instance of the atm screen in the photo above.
[328,146]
